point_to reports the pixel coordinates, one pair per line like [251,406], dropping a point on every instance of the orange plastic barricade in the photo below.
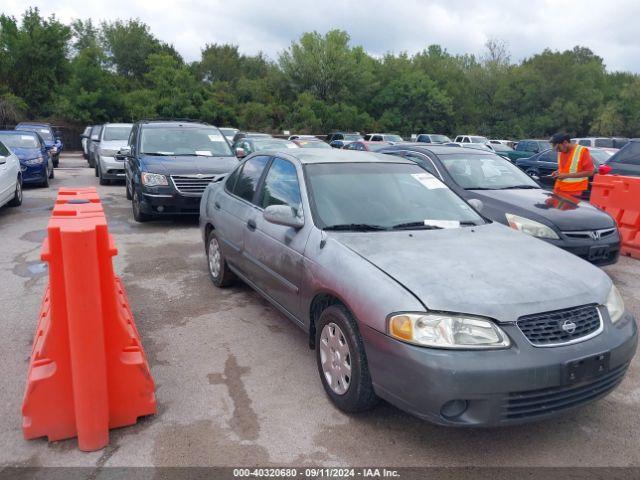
[620,197]
[88,371]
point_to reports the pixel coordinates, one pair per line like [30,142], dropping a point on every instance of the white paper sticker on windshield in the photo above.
[204,152]
[26,137]
[428,180]
[44,130]
[443,223]
[216,138]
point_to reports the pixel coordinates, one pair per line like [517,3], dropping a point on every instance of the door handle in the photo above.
[216,205]
[251,224]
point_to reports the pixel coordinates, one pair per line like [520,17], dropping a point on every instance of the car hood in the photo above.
[26,153]
[490,270]
[181,165]
[540,205]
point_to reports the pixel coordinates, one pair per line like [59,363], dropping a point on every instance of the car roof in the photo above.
[118,124]
[308,156]
[33,124]
[173,123]
[17,132]
[440,149]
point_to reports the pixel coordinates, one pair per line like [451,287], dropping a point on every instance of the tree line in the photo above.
[84,73]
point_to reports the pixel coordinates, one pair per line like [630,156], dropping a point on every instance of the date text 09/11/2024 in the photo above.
[327,472]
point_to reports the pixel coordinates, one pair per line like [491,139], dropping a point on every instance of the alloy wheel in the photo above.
[214,257]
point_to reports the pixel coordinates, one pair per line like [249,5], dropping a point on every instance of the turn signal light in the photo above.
[401,327]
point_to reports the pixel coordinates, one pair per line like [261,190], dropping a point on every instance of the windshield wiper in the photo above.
[363,227]
[415,225]
[517,186]
[157,154]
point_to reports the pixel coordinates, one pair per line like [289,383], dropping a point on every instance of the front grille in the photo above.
[533,403]
[560,326]
[191,184]
[591,234]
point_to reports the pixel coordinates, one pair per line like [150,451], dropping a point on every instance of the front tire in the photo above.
[342,362]
[126,189]
[17,196]
[138,214]
[219,271]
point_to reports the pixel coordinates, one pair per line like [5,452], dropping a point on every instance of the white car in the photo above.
[113,137]
[10,178]
[602,142]
[383,137]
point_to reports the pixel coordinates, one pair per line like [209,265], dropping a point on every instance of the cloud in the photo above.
[461,26]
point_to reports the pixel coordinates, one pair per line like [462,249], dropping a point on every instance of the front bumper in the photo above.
[599,252]
[111,169]
[499,387]
[166,202]
[34,173]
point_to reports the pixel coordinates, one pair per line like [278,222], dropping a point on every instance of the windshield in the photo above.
[485,172]
[479,139]
[600,156]
[393,138]
[353,137]
[45,132]
[499,147]
[273,144]
[440,139]
[376,196]
[12,140]
[120,132]
[313,144]
[228,132]
[191,141]
[544,145]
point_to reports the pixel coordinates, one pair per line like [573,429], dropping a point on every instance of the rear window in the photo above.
[247,181]
[629,154]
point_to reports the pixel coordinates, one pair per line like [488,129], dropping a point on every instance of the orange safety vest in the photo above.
[571,184]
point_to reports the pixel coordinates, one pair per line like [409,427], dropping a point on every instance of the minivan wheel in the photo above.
[138,214]
[219,271]
[342,362]
[126,189]
[17,196]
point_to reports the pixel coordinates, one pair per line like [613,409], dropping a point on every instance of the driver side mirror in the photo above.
[95,138]
[477,204]
[240,153]
[283,215]
[3,160]
[123,153]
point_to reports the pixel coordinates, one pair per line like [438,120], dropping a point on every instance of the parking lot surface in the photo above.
[236,383]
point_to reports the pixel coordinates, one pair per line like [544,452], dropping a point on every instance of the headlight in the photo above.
[530,227]
[614,304]
[447,331]
[153,179]
[35,161]
[108,153]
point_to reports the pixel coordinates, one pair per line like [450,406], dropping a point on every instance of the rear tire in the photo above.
[138,214]
[17,196]
[219,271]
[103,181]
[342,362]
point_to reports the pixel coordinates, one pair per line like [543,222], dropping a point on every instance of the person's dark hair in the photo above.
[558,138]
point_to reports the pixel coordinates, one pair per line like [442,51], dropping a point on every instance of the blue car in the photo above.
[53,143]
[35,161]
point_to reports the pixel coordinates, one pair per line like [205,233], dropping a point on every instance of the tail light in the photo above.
[604,169]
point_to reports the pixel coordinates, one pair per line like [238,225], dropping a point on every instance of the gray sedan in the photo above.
[408,294]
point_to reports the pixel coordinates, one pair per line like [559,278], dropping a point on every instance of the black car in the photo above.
[340,139]
[248,145]
[241,135]
[625,161]
[168,164]
[510,197]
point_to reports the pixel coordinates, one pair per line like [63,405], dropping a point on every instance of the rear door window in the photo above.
[249,176]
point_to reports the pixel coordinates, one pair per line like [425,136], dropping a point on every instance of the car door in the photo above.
[275,252]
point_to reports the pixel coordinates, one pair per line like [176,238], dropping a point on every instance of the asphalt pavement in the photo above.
[236,383]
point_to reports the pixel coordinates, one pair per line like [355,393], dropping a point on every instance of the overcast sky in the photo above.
[461,26]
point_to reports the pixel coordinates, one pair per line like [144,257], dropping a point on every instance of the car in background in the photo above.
[619,142]
[240,135]
[471,139]
[340,139]
[364,146]
[302,137]
[93,143]
[527,148]
[501,149]
[36,164]
[247,146]
[383,137]
[405,292]
[432,138]
[229,133]
[508,143]
[310,143]
[625,161]
[84,140]
[168,164]
[603,142]
[511,197]
[51,140]
[113,137]
[10,178]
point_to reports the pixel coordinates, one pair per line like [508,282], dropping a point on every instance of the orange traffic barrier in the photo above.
[88,371]
[620,197]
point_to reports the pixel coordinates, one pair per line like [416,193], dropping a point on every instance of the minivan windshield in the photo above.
[485,172]
[190,141]
[383,196]
[44,131]
[12,140]
[117,132]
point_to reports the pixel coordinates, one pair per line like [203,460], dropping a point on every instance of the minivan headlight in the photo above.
[530,227]
[153,179]
[614,304]
[443,330]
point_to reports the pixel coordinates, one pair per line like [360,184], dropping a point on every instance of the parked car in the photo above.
[310,143]
[365,146]
[303,137]
[84,140]
[10,178]
[465,333]
[113,137]
[527,148]
[508,143]
[383,137]
[240,135]
[624,162]
[619,142]
[501,149]
[432,138]
[512,198]
[93,143]
[36,164]
[340,139]
[247,146]
[603,142]
[52,141]
[168,164]
[229,133]
[471,139]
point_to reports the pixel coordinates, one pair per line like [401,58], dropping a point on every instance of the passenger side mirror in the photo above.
[95,138]
[477,204]
[3,160]
[283,215]
[123,153]
[240,153]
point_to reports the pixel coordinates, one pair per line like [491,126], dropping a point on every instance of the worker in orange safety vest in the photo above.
[575,166]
